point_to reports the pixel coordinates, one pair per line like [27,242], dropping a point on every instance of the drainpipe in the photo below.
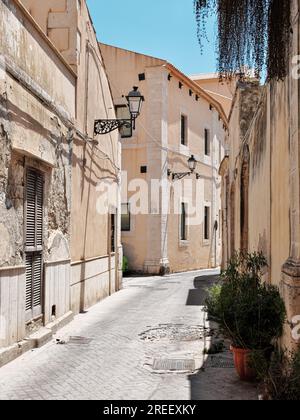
[87,55]
[109,252]
[216,230]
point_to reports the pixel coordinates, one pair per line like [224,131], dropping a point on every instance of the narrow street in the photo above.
[145,342]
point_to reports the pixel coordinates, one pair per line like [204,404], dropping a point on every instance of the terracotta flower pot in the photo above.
[241,362]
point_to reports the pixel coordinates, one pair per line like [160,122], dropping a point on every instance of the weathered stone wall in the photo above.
[11,204]
[37,110]
[260,123]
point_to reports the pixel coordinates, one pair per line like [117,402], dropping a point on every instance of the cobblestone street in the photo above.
[128,346]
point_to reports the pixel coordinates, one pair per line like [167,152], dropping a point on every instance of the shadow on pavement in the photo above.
[198,295]
[217,379]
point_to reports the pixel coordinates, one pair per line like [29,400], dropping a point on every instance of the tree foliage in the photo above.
[251,33]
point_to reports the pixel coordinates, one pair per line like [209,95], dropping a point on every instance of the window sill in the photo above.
[207,160]
[127,234]
[184,243]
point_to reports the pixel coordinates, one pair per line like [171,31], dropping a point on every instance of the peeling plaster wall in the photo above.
[37,110]
[11,205]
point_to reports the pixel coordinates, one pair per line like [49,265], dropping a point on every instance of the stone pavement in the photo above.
[145,342]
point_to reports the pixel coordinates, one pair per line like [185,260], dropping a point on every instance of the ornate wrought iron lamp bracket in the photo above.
[107,126]
[181,175]
[134,100]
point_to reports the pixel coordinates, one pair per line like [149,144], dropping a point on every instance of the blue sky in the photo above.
[162,28]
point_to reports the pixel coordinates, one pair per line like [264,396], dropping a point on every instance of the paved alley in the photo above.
[145,342]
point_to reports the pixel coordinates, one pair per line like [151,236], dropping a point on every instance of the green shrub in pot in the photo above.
[250,312]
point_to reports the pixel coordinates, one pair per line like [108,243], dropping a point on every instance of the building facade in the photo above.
[221,90]
[58,254]
[175,227]
[260,180]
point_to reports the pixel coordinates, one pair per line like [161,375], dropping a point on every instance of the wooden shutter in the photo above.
[34,243]
[30,210]
[34,211]
[29,260]
[39,210]
[34,271]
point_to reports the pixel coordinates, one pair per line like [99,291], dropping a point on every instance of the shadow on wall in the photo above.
[131,255]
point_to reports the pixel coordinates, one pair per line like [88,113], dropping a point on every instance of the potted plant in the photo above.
[250,312]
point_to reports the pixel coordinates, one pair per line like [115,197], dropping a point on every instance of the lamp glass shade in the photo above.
[135,100]
[192,163]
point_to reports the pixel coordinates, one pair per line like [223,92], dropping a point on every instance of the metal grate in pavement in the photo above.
[219,362]
[174,365]
[79,340]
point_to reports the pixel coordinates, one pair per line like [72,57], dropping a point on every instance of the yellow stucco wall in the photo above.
[260,120]
[95,160]
[222,91]
[156,144]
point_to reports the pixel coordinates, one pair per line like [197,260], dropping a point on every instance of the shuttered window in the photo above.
[34,211]
[34,243]
[33,285]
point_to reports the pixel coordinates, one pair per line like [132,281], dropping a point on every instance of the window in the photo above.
[34,243]
[122,112]
[183,233]
[184,130]
[113,232]
[206,142]
[206,223]
[125,218]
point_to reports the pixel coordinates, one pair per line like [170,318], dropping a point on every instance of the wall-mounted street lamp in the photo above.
[135,100]
[192,163]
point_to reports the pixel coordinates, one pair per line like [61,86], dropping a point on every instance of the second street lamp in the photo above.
[192,163]
[135,100]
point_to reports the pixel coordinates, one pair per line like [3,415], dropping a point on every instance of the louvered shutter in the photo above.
[34,243]
[29,260]
[34,211]
[34,270]
[39,211]
[37,280]
[30,210]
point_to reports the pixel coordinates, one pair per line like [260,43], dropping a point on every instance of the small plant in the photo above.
[249,312]
[280,377]
[125,265]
